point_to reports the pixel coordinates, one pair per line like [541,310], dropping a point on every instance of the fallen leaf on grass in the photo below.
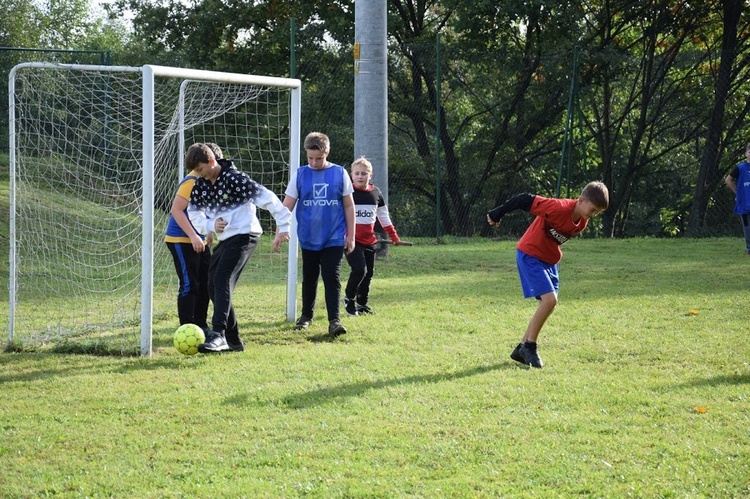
[700,409]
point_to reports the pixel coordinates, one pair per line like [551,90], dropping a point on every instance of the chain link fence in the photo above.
[538,126]
[511,124]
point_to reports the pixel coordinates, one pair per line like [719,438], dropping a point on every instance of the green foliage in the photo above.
[651,117]
[70,32]
[19,29]
[70,25]
[644,392]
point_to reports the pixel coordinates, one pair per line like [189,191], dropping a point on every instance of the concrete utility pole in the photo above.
[371,87]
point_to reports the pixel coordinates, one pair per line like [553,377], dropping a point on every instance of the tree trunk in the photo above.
[709,176]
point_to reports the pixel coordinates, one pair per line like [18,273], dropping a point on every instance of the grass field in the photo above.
[644,393]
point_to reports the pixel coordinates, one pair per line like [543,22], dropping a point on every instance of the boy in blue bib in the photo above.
[738,182]
[322,193]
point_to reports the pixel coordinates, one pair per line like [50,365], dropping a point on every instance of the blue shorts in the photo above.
[537,277]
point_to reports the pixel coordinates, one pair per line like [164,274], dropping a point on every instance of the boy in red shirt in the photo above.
[538,252]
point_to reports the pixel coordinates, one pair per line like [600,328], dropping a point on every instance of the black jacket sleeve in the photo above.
[518,202]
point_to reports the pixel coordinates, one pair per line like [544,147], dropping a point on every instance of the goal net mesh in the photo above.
[78,193]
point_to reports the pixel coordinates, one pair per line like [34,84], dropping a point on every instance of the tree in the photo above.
[51,31]
[710,175]
[19,23]
[645,91]
[501,98]
[644,104]
[254,38]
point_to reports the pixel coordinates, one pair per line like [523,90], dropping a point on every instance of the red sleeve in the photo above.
[391,231]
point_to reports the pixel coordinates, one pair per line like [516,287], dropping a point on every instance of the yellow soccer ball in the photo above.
[187,338]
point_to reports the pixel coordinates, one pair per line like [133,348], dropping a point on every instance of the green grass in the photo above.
[644,392]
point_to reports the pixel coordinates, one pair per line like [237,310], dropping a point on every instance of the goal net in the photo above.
[96,155]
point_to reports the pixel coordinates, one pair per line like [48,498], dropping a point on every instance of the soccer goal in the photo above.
[96,153]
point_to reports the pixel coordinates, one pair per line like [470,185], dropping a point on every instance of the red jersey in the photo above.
[551,228]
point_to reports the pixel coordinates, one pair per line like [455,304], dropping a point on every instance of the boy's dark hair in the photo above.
[597,193]
[318,141]
[196,154]
[215,149]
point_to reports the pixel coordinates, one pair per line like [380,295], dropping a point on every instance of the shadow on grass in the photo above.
[76,364]
[324,395]
[728,379]
[322,338]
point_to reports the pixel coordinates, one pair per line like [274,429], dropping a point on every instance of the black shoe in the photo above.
[364,310]
[350,306]
[516,354]
[215,342]
[335,328]
[303,322]
[530,356]
[236,347]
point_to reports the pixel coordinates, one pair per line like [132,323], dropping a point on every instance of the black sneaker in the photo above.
[236,347]
[530,356]
[303,322]
[335,328]
[364,310]
[215,342]
[516,354]
[350,306]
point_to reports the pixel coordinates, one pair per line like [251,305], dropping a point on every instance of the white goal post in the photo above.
[96,153]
